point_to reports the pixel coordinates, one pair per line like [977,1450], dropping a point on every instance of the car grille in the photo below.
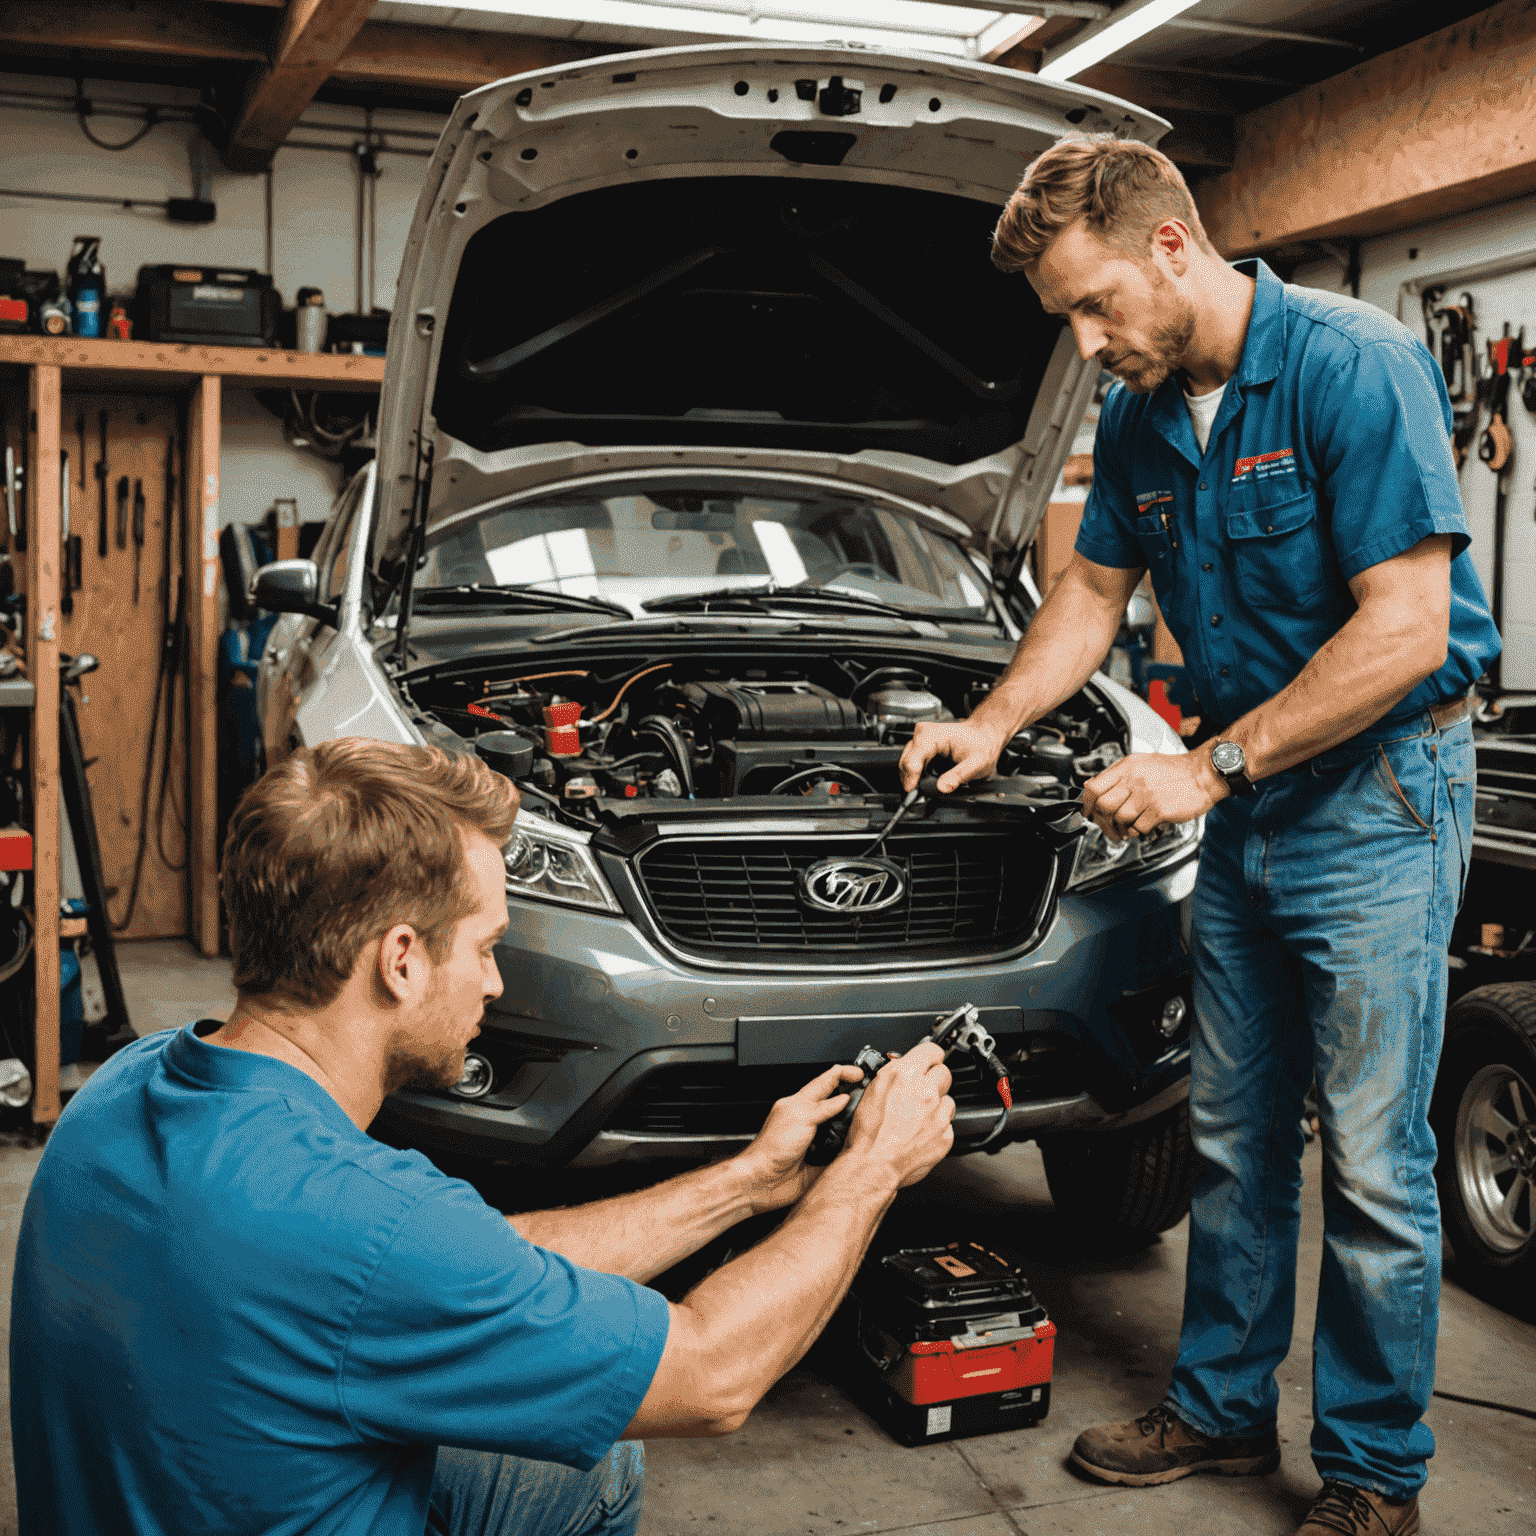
[724,1100]
[979,891]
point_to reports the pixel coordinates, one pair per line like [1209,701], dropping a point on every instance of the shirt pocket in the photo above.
[1158,547]
[1277,548]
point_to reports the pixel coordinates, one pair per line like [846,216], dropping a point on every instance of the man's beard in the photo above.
[1144,371]
[426,1056]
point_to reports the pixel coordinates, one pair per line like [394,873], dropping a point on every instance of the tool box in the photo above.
[949,1341]
[225,306]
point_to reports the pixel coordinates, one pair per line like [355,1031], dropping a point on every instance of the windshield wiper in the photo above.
[764,598]
[474,595]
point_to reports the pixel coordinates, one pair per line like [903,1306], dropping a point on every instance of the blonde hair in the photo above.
[1122,188]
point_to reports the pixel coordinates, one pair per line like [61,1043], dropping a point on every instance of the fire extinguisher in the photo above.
[87,285]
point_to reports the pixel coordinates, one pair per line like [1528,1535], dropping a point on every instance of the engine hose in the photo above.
[826,771]
[629,682]
[659,725]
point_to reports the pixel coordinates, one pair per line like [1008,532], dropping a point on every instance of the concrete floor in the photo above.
[808,1463]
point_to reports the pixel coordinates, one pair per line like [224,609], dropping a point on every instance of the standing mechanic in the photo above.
[1279,459]
[235,1312]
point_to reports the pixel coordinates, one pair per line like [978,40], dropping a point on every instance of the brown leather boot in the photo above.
[1160,1447]
[1343,1509]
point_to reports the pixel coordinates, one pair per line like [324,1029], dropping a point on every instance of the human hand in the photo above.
[904,1119]
[775,1164]
[974,746]
[1149,790]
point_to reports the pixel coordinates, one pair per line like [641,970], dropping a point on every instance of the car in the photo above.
[710,449]
[1483,1111]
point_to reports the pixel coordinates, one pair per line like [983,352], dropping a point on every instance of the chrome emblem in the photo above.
[852,885]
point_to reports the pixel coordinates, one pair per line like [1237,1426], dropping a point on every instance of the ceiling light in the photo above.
[1102,38]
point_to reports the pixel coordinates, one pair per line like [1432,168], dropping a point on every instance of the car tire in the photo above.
[1124,1186]
[1484,1118]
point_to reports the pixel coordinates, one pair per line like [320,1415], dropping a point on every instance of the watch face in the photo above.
[1227,757]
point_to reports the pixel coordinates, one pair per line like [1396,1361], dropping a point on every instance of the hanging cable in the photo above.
[83,109]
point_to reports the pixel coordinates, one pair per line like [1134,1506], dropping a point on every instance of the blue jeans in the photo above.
[1321,917]
[478,1493]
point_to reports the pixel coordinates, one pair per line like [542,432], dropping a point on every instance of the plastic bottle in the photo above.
[87,286]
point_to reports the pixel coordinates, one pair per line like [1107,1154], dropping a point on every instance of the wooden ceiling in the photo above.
[1242,82]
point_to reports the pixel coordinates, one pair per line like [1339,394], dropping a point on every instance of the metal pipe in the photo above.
[271,222]
[84,197]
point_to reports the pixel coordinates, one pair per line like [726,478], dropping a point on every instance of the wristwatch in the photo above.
[1228,760]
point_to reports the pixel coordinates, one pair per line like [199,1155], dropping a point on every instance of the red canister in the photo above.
[561,738]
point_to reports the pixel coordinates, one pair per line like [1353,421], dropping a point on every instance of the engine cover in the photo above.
[774,711]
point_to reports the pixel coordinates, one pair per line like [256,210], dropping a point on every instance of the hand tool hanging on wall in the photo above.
[101,482]
[138,534]
[12,527]
[122,511]
[80,435]
[23,465]
[70,543]
[1496,449]
[1448,329]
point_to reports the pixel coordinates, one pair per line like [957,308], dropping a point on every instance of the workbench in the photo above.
[134,367]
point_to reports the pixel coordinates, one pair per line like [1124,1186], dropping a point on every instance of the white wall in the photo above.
[315,234]
[1425,254]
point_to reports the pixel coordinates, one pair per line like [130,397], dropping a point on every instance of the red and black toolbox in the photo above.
[950,1341]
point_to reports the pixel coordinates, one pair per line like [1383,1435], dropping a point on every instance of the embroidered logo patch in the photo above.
[1265,466]
[1146,500]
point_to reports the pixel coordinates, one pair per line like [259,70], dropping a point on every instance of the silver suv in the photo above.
[709,450]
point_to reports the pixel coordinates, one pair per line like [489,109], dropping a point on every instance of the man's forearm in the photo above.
[1065,644]
[642,1234]
[761,1312]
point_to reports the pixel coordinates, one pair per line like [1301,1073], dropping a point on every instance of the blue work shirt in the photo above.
[233,1311]
[1330,453]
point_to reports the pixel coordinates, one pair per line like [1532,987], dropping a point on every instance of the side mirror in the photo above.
[290,586]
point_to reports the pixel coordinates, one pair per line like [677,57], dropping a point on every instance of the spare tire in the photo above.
[1484,1118]
[1124,1185]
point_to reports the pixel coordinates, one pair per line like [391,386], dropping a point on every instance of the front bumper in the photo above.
[592,1010]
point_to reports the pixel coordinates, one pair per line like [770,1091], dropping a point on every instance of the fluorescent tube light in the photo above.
[1103,38]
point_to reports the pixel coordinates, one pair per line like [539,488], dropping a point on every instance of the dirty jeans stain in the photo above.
[1321,918]
[480,1493]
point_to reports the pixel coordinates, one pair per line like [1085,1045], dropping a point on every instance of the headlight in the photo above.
[1099,861]
[548,862]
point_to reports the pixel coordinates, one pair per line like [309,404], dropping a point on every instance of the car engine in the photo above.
[682,731]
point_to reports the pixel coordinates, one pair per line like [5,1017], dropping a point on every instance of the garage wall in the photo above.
[1505,233]
[314,195]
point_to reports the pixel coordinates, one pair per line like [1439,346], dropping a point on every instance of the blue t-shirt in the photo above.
[233,1311]
[1330,453]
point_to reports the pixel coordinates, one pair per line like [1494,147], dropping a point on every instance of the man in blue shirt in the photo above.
[233,1311]
[1279,460]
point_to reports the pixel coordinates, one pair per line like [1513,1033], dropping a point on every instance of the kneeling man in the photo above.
[234,1311]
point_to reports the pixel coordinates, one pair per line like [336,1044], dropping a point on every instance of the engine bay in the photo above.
[589,742]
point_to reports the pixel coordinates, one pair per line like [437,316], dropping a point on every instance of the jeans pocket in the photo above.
[1402,789]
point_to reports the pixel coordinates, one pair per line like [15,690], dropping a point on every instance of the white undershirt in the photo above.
[1202,413]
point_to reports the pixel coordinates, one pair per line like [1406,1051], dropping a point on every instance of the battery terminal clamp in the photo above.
[960,1030]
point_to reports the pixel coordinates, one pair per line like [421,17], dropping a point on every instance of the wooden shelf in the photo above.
[172,364]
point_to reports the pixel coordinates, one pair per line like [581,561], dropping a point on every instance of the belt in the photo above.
[1453,712]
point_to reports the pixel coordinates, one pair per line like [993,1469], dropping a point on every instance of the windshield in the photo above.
[637,544]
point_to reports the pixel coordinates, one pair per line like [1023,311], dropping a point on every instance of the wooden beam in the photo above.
[167,364]
[158,27]
[313,36]
[201,563]
[43,621]
[1434,128]
[440,58]
[1162,90]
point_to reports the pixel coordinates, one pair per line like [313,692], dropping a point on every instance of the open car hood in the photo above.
[766,250]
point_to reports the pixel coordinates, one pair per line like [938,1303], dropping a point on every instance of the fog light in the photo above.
[475,1080]
[1171,1020]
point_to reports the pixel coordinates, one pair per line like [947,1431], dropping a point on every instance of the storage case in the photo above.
[949,1341]
[218,306]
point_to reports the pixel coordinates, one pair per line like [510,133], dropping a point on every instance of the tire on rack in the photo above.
[1484,1118]
[1124,1187]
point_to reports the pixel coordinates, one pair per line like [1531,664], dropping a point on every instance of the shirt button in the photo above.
[1226,671]
[1269,528]
[1206,566]
[1216,620]
[1204,486]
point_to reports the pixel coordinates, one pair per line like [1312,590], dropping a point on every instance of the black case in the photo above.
[33,289]
[771,711]
[218,306]
[909,1297]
